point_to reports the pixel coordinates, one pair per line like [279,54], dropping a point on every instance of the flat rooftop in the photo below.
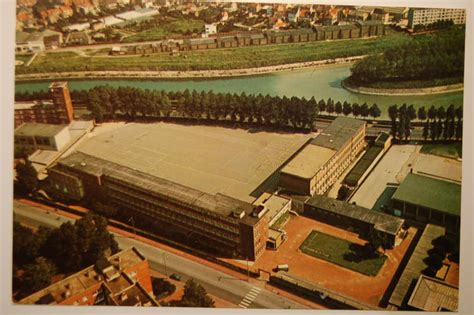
[381,221]
[213,160]
[39,130]
[416,264]
[431,193]
[308,162]
[339,132]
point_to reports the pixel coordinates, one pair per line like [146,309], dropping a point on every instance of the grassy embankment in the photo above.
[216,59]
[449,150]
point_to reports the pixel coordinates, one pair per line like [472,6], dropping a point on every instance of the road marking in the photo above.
[249,297]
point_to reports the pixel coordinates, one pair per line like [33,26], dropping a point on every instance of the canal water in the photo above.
[321,82]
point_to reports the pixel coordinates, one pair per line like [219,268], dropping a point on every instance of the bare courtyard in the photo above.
[214,160]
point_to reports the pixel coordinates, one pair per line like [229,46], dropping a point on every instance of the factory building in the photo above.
[317,166]
[57,111]
[228,225]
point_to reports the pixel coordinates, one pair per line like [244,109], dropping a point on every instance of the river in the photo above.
[321,82]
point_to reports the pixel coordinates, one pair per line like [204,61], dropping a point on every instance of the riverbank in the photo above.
[449,88]
[204,74]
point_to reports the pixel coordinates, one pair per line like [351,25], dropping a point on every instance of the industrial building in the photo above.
[353,217]
[228,225]
[318,165]
[429,200]
[425,16]
[36,136]
[57,111]
[122,279]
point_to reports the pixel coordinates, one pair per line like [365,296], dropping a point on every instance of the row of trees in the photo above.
[106,102]
[424,58]
[438,123]
[43,253]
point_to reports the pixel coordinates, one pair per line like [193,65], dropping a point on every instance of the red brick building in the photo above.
[122,279]
[57,111]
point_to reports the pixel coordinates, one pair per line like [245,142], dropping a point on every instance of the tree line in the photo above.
[39,255]
[108,103]
[438,123]
[437,56]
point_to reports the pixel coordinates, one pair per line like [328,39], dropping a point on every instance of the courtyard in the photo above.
[353,284]
[343,253]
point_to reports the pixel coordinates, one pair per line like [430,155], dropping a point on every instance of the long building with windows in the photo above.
[318,165]
[228,225]
[425,16]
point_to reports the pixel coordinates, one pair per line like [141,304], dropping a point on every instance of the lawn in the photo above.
[341,252]
[24,58]
[171,27]
[450,150]
[218,59]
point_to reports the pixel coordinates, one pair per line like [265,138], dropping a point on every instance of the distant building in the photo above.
[37,41]
[36,136]
[227,225]
[317,166]
[426,16]
[122,279]
[59,111]
[78,38]
[210,29]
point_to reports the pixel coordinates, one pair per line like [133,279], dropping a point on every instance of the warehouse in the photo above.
[429,200]
[317,166]
[36,136]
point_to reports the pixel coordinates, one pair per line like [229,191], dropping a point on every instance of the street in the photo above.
[232,289]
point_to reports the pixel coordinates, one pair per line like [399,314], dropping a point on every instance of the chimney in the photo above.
[123,297]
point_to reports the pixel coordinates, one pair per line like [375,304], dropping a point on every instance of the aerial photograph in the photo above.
[218,154]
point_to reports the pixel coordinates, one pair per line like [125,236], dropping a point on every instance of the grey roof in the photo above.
[339,132]
[370,22]
[39,130]
[219,203]
[226,38]
[199,41]
[415,265]
[381,221]
[257,36]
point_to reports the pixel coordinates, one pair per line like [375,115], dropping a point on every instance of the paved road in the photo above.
[237,291]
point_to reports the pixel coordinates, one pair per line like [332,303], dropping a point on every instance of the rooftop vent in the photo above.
[258,211]
[83,164]
[238,213]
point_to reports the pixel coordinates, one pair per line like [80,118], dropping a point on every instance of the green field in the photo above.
[24,58]
[218,59]
[342,253]
[168,28]
[449,150]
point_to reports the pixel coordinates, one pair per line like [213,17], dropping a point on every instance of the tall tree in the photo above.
[374,111]
[346,108]
[27,176]
[36,276]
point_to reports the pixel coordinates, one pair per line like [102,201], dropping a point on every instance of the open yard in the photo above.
[216,59]
[449,150]
[170,27]
[342,253]
[324,273]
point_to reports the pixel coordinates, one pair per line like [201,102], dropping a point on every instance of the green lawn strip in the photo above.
[339,252]
[24,58]
[215,59]
[170,28]
[449,150]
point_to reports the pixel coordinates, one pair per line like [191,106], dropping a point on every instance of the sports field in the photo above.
[342,253]
[235,162]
